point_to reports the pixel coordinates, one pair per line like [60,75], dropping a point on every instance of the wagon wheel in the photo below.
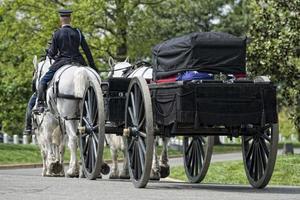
[259,154]
[91,131]
[138,131]
[197,155]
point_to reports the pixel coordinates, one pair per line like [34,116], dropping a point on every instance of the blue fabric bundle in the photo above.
[193,75]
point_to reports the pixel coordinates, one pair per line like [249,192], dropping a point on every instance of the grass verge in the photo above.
[286,172]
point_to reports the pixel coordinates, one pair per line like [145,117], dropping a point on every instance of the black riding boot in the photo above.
[41,104]
[28,123]
[28,120]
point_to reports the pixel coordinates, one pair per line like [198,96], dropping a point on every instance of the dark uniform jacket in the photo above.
[65,48]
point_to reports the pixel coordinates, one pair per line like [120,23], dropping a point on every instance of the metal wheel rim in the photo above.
[140,118]
[91,140]
[259,155]
[197,156]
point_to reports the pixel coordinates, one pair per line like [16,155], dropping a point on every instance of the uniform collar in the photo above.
[66,25]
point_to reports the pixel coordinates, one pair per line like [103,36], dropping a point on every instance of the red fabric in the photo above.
[240,75]
[169,79]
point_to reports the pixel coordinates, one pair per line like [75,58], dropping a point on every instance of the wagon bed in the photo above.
[196,110]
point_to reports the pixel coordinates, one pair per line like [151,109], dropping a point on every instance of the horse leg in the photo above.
[43,153]
[155,175]
[164,166]
[57,140]
[73,170]
[114,155]
[44,157]
[125,171]
[61,154]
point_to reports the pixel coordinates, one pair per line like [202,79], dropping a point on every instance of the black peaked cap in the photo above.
[65,13]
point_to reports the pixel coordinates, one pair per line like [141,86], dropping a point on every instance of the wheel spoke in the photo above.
[201,154]
[142,134]
[186,139]
[260,162]
[136,162]
[263,155]
[87,144]
[87,160]
[141,156]
[94,147]
[130,146]
[255,162]
[202,149]
[133,107]
[252,163]
[265,148]
[193,159]
[138,101]
[87,110]
[132,116]
[197,159]
[141,123]
[248,138]
[266,137]
[90,104]
[95,138]
[142,144]
[249,152]
[92,158]
[190,155]
[95,116]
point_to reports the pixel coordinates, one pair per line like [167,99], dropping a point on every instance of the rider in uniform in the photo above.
[64,49]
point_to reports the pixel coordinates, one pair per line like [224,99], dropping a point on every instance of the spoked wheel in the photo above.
[92,131]
[138,131]
[197,155]
[259,155]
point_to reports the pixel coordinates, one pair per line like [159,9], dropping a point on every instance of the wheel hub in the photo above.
[130,131]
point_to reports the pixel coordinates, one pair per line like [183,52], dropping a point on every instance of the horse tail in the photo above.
[81,78]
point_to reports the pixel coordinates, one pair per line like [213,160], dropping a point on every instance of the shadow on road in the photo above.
[165,185]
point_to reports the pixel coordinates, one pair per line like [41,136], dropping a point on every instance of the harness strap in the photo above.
[80,36]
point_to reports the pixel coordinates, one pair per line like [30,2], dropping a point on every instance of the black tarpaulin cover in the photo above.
[212,52]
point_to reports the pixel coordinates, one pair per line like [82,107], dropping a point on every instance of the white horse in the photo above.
[60,119]
[160,168]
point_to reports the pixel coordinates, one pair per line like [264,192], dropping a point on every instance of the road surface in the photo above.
[28,184]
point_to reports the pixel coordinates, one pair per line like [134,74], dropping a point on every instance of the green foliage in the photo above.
[25,28]
[286,126]
[286,172]
[117,28]
[275,37]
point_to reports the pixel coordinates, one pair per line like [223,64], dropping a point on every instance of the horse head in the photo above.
[118,69]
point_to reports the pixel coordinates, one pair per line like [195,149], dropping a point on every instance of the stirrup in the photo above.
[40,108]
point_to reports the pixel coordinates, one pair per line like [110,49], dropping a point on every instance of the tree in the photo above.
[117,28]
[274,32]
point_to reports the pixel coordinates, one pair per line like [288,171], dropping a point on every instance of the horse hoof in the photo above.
[164,171]
[154,176]
[72,175]
[105,169]
[57,168]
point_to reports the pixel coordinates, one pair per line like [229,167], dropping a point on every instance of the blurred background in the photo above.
[121,28]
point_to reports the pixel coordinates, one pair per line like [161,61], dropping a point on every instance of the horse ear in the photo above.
[111,61]
[127,59]
[34,61]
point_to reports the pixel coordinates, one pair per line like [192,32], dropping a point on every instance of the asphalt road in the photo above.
[29,184]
